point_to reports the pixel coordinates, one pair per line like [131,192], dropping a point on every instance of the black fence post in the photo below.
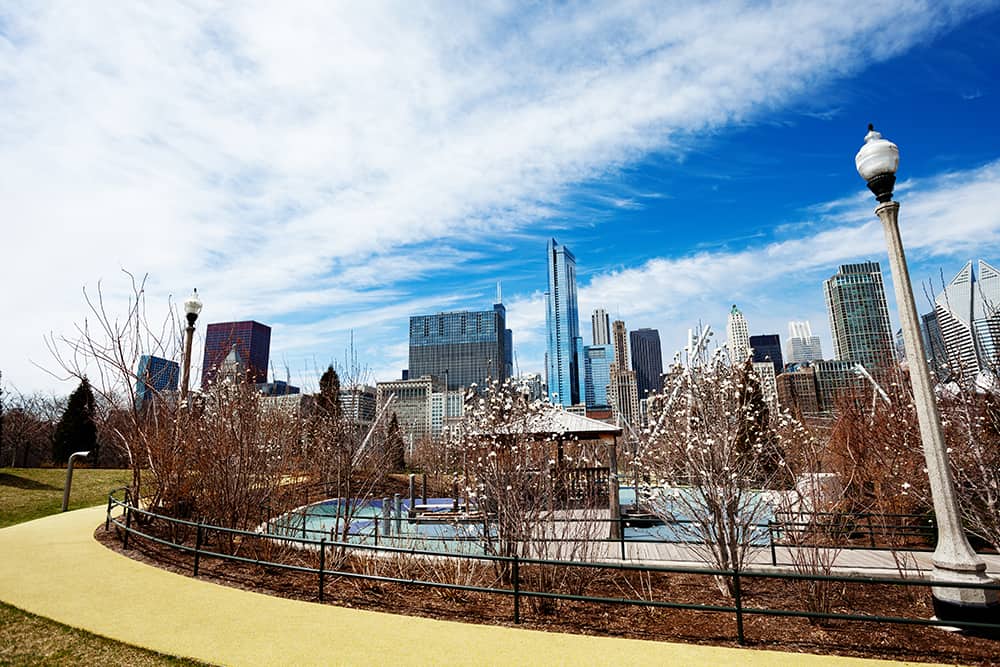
[770,535]
[738,603]
[871,531]
[128,525]
[516,576]
[198,541]
[322,567]
[621,535]
[107,521]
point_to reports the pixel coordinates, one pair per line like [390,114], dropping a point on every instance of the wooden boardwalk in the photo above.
[860,561]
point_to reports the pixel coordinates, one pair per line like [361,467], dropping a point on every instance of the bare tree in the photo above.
[714,458]
[29,423]
[512,463]
[216,457]
[972,430]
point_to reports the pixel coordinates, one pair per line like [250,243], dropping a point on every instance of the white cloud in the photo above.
[947,218]
[285,158]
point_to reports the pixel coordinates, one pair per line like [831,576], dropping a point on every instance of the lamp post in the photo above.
[954,559]
[192,307]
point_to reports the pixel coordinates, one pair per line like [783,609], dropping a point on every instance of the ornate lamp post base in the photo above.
[976,605]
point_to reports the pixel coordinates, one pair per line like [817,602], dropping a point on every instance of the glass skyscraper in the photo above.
[564,354]
[154,375]
[647,360]
[253,347]
[859,317]
[462,348]
[767,347]
[597,375]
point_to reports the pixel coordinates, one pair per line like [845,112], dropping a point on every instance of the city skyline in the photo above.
[338,208]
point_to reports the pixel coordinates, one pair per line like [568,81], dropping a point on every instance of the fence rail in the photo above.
[125,522]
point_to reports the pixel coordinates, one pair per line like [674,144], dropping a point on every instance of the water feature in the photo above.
[435,526]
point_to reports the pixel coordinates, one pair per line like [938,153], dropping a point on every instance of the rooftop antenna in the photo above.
[499,293]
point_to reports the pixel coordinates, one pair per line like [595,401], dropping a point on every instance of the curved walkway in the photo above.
[53,567]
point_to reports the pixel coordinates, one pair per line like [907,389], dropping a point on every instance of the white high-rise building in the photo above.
[601,326]
[968,312]
[738,334]
[802,344]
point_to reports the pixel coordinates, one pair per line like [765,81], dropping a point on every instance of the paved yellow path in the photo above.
[53,567]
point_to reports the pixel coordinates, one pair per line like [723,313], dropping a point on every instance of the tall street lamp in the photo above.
[954,559]
[192,307]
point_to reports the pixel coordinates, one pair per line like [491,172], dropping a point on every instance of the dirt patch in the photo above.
[796,635]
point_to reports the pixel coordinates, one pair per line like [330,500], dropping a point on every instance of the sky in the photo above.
[331,169]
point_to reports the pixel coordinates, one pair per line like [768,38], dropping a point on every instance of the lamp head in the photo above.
[877,162]
[192,307]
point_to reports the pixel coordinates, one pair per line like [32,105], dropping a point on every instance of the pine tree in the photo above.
[76,430]
[328,401]
[754,426]
[395,448]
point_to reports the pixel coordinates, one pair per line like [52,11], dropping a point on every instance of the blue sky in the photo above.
[333,170]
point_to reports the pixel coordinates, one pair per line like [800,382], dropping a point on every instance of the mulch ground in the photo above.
[863,639]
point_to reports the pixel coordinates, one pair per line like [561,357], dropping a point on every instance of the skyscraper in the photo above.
[859,317]
[462,347]
[564,373]
[153,376]
[253,347]
[767,348]
[597,375]
[738,335]
[803,346]
[937,353]
[600,325]
[968,314]
[623,393]
[647,361]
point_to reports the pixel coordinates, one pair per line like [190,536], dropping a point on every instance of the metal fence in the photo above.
[126,523]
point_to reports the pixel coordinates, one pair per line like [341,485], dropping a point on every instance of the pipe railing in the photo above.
[514,565]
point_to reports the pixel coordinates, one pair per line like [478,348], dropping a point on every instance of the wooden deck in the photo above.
[861,561]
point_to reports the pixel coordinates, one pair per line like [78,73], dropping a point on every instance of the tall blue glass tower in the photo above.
[564,372]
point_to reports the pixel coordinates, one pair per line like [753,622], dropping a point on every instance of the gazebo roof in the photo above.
[553,420]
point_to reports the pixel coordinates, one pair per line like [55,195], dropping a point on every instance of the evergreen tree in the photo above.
[395,448]
[328,401]
[76,430]
[756,437]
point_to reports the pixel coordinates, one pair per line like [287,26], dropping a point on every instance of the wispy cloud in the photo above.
[942,219]
[296,161]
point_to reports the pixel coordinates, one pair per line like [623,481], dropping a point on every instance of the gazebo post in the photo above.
[614,503]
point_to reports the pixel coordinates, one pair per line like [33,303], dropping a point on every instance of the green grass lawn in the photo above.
[31,493]
[26,639]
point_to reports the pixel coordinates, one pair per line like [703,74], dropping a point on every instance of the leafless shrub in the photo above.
[972,430]
[714,457]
